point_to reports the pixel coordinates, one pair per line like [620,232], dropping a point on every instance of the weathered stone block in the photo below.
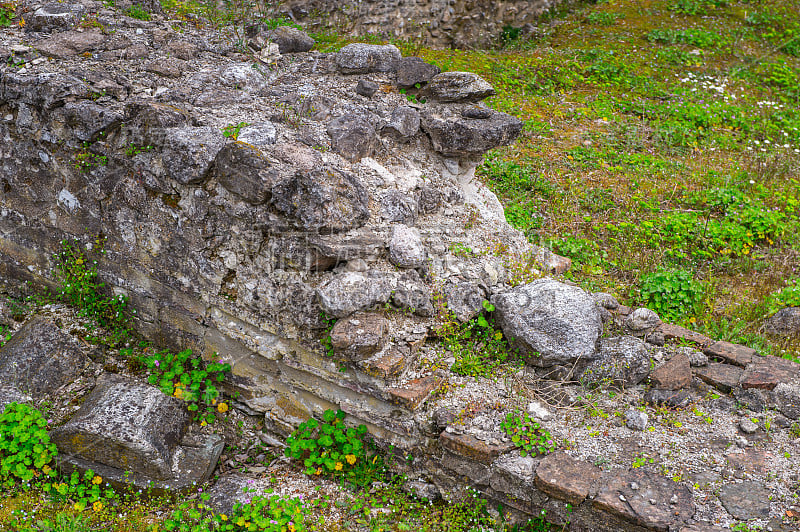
[565,478]
[413,393]
[738,355]
[470,447]
[126,425]
[723,377]
[40,358]
[646,499]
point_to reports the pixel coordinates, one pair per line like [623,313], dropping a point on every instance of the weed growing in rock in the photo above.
[5,335]
[133,150]
[25,448]
[527,434]
[673,295]
[7,11]
[478,346]
[63,522]
[332,448]
[82,288]
[138,12]
[188,377]
[85,159]
[231,131]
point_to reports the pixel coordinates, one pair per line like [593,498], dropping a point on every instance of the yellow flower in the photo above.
[78,507]
[351,459]
[97,479]
[178,392]
[203,423]
[291,528]
[97,506]
[338,466]
[223,517]
[318,471]
[46,469]
[222,407]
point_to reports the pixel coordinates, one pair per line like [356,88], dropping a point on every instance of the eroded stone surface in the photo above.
[746,500]
[565,478]
[646,499]
[620,362]
[724,377]
[127,425]
[674,374]
[551,323]
[40,359]
[360,335]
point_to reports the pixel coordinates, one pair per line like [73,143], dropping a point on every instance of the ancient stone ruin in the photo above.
[440,23]
[245,201]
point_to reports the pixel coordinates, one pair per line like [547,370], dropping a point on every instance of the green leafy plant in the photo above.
[65,522]
[478,346]
[186,376]
[85,159]
[7,11]
[326,340]
[788,296]
[602,18]
[25,448]
[138,12]
[673,295]
[133,150]
[527,434]
[5,335]
[332,448]
[231,131]
[82,288]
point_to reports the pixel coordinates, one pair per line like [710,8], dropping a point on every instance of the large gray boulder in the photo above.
[621,362]
[324,200]
[403,124]
[360,58]
[350,292]
[40,358]
[126,426]
[406,249]
[411,71]
[551,323]
[455,136]
[353,136]
[290,40]
[458,87]
[246,172]
[785,322]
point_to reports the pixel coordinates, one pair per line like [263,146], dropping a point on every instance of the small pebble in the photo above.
[622,498]
[634,486]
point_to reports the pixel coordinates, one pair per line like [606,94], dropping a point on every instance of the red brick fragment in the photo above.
[470,447]
[412,394]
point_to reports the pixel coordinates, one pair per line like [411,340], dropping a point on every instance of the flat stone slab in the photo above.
[674,374]
[735,354]
[412,394]
[765,373]
[40,358]
[124,425]
[746,500]
[723,377]
[647,500]
[565,478]
[672,332]
[470,447]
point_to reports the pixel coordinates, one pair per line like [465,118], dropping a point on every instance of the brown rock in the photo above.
[765,373]
[630,495]
[415,392]
[723,377]
[675,374]
[565,478]
[671,332]
[359,336]
[385,365]
[70,43]
[168,68]
[470,447]
[738,355]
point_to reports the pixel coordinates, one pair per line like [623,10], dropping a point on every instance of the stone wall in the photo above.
[438,23]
